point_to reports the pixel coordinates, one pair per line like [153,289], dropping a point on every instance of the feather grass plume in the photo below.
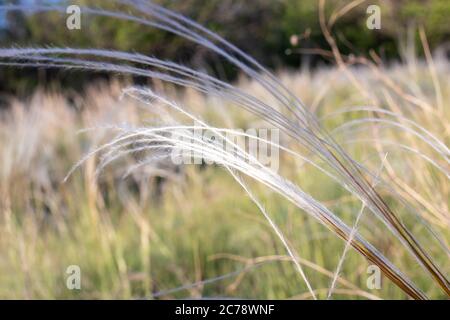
[294,119]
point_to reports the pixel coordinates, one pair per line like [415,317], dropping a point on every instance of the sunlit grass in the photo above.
[131,242]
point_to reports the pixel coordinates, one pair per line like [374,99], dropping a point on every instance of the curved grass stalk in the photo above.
[305,129]
[347,244]
[249,166]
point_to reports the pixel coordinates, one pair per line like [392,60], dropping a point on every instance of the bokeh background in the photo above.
[279,34]
[168,232]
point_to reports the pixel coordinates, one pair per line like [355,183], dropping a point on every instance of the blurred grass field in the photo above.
[195,233]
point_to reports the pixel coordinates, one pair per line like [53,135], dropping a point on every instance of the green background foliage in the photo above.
[262,28]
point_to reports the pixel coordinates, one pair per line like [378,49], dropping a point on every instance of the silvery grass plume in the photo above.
[294,119]
[396,121]
[174,140]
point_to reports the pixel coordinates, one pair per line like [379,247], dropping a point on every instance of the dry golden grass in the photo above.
[137,237]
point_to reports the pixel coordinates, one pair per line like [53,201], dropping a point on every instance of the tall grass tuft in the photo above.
[284,110]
